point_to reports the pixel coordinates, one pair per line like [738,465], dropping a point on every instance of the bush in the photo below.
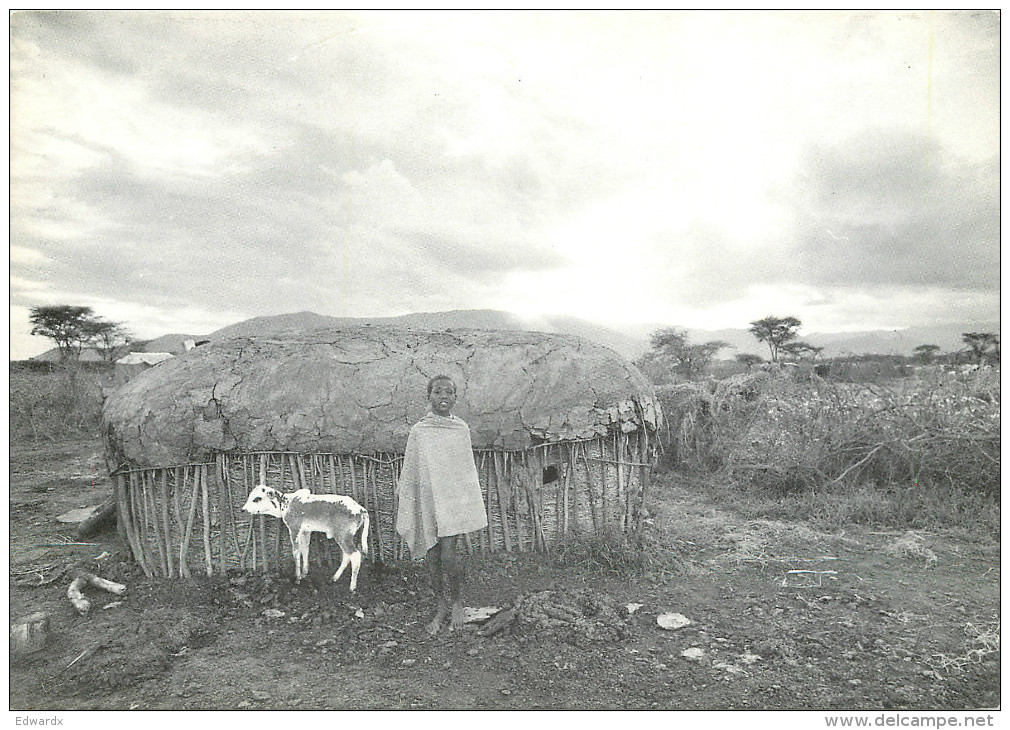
[48,402]
[789,435]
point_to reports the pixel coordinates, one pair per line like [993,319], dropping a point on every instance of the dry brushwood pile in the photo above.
[790,433]
[581,618]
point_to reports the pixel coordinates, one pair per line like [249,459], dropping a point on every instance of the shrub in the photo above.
[48,403]
[790,435]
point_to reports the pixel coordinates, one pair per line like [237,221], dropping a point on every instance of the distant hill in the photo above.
[276,324]
[839,344]
[898,342]
[87,354]
[631,341]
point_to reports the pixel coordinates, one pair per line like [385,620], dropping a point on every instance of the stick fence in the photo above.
[188,519]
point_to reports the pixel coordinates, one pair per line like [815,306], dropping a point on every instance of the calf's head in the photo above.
[265,501]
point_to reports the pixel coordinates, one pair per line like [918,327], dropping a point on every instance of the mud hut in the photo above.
[130,366]
[563,435]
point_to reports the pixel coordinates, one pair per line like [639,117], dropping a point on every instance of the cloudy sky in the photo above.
[181,171]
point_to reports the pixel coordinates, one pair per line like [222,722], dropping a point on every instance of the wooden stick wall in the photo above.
[187,520]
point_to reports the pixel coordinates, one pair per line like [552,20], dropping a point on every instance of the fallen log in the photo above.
[81,604]
[75,592]
[499,622]
[102,517]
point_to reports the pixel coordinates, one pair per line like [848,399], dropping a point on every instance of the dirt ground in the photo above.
[880,620]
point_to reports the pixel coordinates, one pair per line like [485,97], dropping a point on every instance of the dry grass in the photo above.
[690,536]
[614,555]
[923,452]
[979,643]
[46,406]
[910,546]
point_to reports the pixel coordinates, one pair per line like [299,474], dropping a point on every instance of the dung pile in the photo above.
[581,618]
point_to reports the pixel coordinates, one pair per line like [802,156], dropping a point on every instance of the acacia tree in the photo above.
[672,353]
[980,344]
[65,325]
[72,327]
[105,336]
[775,332]
[668,341]
[926,353]
[798,349]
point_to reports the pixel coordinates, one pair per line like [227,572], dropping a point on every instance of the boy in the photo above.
[439,497]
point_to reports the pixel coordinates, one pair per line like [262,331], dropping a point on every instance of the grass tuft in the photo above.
[614,555]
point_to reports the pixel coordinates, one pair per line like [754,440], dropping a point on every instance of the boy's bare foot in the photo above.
[436,623]
[458,616]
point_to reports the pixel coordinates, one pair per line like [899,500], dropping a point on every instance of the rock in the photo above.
[29,634]
[409,662]
[693,654]
[729,668]
[632,607]
[475,615]
[273,613]
[75,516]
[671,621]
[260,696]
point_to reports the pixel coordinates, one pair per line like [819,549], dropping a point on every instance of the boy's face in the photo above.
[442,397]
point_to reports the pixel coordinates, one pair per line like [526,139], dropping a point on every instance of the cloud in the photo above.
[884,223]
[684,165]
[894,209]
[275,231]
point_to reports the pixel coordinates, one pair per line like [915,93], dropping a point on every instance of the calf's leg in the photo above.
[304,540]
[296,553]
[344,560]
[355,566]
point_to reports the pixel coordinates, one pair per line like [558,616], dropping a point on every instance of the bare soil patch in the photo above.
[782,617]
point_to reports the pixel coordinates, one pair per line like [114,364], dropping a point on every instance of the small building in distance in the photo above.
[130,366]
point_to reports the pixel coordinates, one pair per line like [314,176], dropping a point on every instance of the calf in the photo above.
[340,517]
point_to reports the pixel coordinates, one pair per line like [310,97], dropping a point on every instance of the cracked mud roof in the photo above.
[359,390]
